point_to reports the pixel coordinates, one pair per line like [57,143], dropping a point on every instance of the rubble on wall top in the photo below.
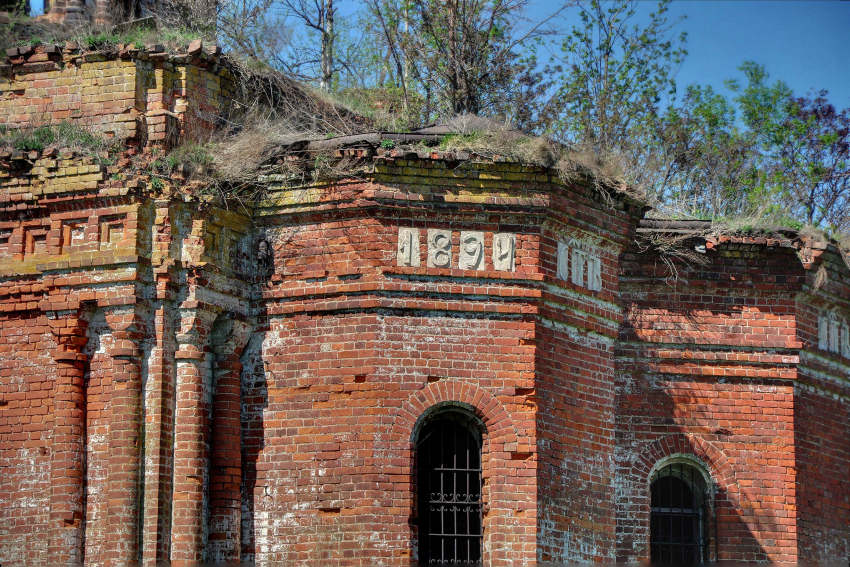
[811,243]
[771,236]
[494,144]
[376,143]
[10,155]
[49,57]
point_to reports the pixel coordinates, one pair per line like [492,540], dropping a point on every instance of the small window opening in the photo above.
[448,456]
[678,516]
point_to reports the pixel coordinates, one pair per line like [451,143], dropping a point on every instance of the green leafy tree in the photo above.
[705,158]
[461,56]
[763,106]
[812,162]
[804,150]
[615,75]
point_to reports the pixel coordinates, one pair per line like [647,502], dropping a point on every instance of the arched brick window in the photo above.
[448,457]
[679,514]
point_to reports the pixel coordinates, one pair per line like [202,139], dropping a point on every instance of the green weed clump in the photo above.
[138,37]
[63,135]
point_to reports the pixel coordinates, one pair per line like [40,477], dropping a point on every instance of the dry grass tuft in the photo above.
[674,250]
[250,151]
[268,96]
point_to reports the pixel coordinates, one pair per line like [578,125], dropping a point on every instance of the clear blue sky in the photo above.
[806,43]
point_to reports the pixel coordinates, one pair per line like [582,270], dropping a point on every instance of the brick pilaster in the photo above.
[159,418]
[67,468]
[226,458]
[124,448]
[159,402]
[191,437]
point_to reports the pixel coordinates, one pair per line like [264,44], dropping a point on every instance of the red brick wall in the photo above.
[26,419]
[822,418]
[574,387]
[225,411]
[339,398]
[356,351]
[706,366]
[128,94]
[822,443]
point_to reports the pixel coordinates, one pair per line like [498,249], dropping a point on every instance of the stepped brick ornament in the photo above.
[189,377]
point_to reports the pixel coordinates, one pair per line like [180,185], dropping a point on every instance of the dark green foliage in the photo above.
[36,139]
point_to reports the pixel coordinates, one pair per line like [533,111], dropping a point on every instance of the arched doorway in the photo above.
[448,457]
[678,515]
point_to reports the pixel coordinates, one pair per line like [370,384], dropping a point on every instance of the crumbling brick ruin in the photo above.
[284,381]
[101,13]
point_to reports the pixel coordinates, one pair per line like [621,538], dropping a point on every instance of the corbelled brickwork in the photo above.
[183,381]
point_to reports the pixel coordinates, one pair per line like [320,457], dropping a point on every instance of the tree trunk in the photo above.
[327,43]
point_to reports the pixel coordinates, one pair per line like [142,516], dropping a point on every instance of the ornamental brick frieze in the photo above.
[67,240]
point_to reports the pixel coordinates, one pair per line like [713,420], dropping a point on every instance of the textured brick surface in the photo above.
[147,96]
[169,396]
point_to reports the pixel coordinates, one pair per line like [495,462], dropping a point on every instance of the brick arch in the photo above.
[502,433]
[501,438]
[685,444]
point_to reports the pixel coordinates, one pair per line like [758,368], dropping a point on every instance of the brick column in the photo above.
[225,482]
[191,437]
[67,471]
[124,464]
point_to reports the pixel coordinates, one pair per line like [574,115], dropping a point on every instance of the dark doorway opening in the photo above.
[448,456]
[678,516]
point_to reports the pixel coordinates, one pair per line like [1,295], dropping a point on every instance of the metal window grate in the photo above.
[449,461]
[677,517]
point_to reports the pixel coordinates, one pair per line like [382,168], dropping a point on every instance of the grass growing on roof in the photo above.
[24,31]
[64,135]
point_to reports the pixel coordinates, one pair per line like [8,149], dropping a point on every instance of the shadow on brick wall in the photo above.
[719,423]
[822,447]
[255,400]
